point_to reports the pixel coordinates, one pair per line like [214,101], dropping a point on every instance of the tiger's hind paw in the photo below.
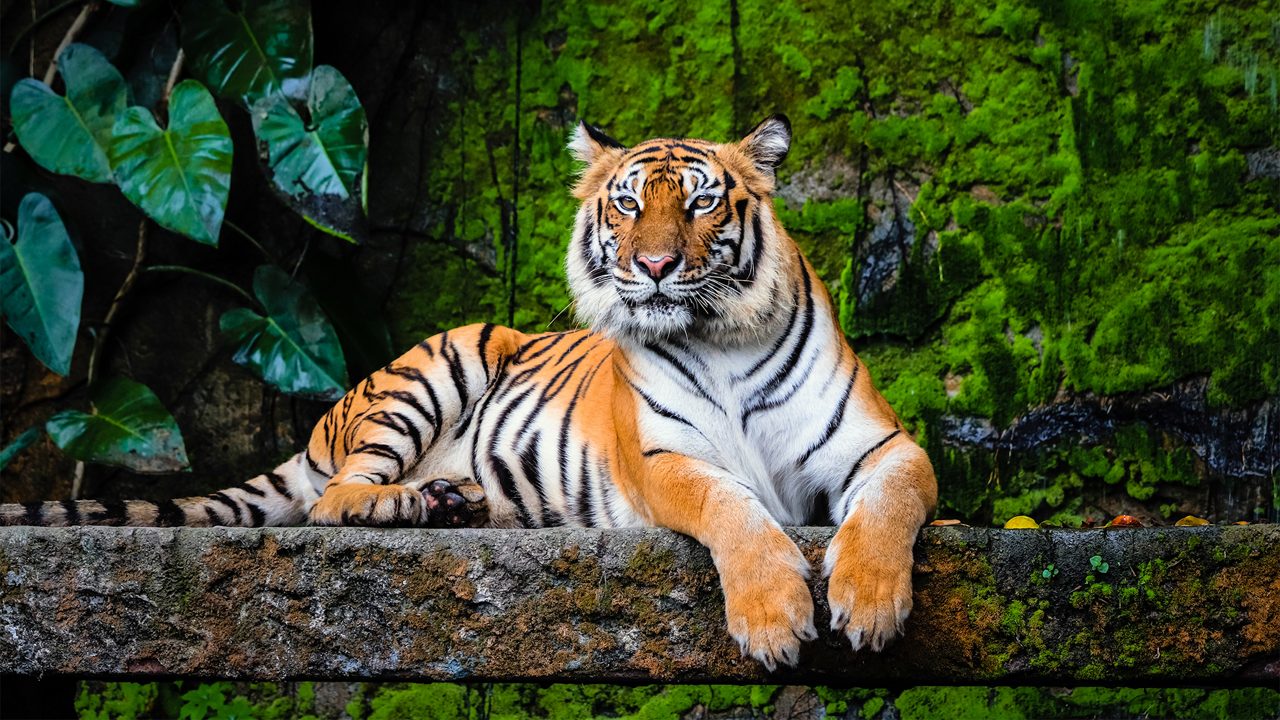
[455,504]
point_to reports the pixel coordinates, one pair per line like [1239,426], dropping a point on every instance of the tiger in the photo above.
[711,391]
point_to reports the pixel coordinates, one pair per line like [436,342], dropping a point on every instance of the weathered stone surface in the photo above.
[1176,606]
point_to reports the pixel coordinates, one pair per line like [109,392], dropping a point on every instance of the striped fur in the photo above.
[713,394]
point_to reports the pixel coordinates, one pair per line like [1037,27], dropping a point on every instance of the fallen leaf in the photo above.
[1021,522]
[1125,521]
[945,523]
[1191,521]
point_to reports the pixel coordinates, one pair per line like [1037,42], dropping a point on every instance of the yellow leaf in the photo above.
[1191,521]
[1021,522]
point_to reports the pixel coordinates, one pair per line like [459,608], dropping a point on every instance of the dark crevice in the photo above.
[1232,442]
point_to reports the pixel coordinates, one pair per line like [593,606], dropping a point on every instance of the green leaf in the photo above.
[71,134]
[261,49]
[180,176]
[41,284]
[316,165]
[294,348]
[128,428]
[20,443]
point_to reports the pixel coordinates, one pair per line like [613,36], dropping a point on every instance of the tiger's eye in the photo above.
[702,202]
[628,203]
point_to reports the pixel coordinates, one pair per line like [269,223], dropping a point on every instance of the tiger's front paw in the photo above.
[869,589]
[371,505]
[769,609]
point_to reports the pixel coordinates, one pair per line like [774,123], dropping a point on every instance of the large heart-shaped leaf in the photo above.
[41,284]
[128,427]
[71,134]
[316,164]
[180,176]
[294,348]
[260,49]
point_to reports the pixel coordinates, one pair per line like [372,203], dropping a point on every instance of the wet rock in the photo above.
[628,606]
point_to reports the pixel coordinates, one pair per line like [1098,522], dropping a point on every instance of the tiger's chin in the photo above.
[654,318]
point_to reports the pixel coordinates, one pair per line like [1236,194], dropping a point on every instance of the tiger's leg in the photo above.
[398,423]
[762,572]
[869,560]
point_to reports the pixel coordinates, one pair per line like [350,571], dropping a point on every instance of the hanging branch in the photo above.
[67,39]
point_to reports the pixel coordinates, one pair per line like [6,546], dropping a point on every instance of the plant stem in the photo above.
[174,72]
[139,254]
[72,32]
[100,338]
[207,276]
[244,234]
[50,13]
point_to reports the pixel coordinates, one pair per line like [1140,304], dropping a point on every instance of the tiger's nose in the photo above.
[657,268]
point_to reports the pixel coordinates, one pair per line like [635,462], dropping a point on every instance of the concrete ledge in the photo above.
[1177,606]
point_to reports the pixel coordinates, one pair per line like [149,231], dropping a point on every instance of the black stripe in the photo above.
[456,371]
[508,483]
[532,475]
[414,375]
[576,343]
[789,366]
[485,333]
[214,519]
[835,421]
[679,366]
[257,518]
[777,345]
[33,511]
[401,424]
[113,512]
[168,514]
[654,406]
[555,340]
[72,511]
[584,510]
[426,346]
[689,148]
[225,499]
[381,450]
[252,489]
[656,451]
[281,486]
[858,465]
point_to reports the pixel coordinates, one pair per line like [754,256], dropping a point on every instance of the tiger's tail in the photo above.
[280,497]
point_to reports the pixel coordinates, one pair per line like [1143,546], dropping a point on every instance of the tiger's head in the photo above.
[679,237]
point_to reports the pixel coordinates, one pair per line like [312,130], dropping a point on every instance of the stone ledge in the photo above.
[1177,606]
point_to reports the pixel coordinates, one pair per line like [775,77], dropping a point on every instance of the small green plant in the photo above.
[1099,565]
[1049,571]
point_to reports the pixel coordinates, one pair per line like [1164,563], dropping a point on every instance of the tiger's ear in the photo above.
[589,143]
[767,144]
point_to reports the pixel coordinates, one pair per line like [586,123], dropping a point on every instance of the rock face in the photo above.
[1174,607]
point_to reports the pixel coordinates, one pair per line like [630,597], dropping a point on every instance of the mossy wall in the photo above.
[1013,204]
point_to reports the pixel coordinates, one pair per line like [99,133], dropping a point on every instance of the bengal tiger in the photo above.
[713,393]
